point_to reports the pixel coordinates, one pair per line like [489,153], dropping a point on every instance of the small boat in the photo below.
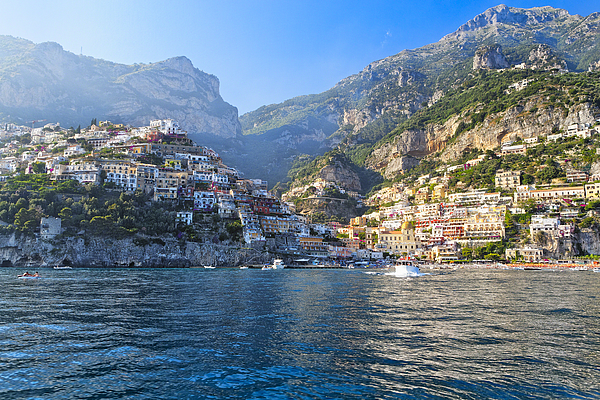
[405,268]
[596,269]
[28,276]
[277,264]
[62,267]
[209,267]
[244,267]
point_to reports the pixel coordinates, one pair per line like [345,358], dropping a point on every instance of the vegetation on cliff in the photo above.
[102,211]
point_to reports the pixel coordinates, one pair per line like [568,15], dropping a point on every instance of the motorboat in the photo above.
[405,268]
[277,264]
[209,267]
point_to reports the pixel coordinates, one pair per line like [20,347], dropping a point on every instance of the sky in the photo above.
[262,51]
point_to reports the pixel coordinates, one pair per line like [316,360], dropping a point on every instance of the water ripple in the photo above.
[173,334]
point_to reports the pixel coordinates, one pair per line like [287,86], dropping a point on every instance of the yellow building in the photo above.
[439,192]
[400,241]
[314,246]
[592,190]
[273,225]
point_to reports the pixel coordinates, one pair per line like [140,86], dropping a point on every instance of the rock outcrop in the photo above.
[340,175]
[542,57]
[582,242]
[489,57]
[516,122]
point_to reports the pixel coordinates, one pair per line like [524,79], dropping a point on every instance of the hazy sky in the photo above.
[263,52]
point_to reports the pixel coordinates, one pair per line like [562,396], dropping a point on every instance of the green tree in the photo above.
[65,214]
[467,253]
[235,230]
[38,168]
[28,219]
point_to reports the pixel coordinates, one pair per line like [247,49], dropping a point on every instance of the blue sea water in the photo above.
[299,334]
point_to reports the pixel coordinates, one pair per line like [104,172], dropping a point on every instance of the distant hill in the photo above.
[43,81]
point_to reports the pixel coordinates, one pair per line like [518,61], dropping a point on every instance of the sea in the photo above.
[228,333]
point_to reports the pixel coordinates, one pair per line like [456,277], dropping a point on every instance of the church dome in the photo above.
[407,225]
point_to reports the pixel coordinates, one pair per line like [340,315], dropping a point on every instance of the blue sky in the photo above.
[263,52]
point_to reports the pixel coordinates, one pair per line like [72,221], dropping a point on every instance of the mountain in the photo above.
[367,107]
[43,81]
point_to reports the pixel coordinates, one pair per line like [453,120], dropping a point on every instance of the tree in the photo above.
[492,256]
[38,168]
[28,219]
[587,222]
[527,179]
[467,253]
[235,230]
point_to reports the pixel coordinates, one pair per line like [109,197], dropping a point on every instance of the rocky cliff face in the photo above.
[340,175]
[107,252]
[542,57]
[489,58]
[516,122]
[42,81]
[586,241]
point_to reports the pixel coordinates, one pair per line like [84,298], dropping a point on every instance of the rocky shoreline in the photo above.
[103,252]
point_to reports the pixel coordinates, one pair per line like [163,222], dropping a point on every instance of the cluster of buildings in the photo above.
[437,224]
[434,226]
[193,176]
[438,230]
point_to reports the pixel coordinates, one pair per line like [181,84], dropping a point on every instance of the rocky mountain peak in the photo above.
[181,64]
[503,14]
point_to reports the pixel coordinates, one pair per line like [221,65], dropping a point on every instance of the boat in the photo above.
[277,264]
[596,269]
[244,267]
[405,268]
[27,275]
[62,267]
[209,267]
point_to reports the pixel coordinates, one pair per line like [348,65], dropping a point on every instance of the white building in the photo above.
[185,217]
[204,200]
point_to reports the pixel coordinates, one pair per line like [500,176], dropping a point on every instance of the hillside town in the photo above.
[422,220]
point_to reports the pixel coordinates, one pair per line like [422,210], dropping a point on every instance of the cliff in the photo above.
[584,241]
[533,118]
[138,252]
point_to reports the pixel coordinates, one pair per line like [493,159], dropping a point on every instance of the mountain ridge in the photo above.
[43,81]
[370,104]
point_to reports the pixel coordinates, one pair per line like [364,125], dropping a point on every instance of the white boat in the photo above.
[209,267]
[29,276]
[243,267]
[405,268]
[277,264]
[62,267]
[596,269]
